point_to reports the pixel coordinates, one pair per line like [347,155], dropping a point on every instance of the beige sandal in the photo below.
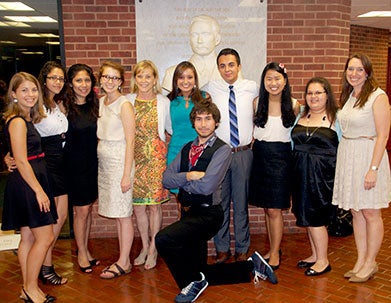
[151,261]
[140,260]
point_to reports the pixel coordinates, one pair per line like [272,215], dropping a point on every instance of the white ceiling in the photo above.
[42,8]
[363,6]
[49,8]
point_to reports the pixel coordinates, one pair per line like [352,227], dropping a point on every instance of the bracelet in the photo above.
[374,168]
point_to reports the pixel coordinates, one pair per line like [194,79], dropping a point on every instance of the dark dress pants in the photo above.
[183,246]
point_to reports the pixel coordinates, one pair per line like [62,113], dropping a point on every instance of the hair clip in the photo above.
[282,66]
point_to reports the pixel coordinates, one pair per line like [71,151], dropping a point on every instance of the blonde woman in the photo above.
[152,123]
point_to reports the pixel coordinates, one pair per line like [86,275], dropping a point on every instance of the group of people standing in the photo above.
[226,143]
[46,172]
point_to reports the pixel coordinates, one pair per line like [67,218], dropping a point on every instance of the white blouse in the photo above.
[55,123]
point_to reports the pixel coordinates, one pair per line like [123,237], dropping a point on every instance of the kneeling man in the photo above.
[198,171]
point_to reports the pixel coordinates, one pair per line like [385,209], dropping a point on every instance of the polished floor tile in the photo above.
[157,285]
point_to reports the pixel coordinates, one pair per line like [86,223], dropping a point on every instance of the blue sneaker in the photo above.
[192,291]
[262,269]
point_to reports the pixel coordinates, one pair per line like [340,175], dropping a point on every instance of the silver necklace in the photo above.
[308,122]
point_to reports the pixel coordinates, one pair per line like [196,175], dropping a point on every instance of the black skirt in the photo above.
[54,156]
[270,183]
[20,203]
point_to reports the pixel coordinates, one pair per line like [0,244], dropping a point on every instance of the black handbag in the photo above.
[341,223]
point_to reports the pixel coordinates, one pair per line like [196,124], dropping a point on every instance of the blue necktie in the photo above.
[233,119]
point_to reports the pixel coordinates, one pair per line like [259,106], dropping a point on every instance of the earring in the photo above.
[15,100]
[119,88]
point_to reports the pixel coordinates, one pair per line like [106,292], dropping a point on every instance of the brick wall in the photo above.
[96,30]
[373,42]
[310,37]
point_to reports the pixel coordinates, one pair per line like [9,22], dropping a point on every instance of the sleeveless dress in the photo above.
[113,203]
[20,203]
[354,158]
[52,130]
[150,156]
[182,130]
[81,157]
[313,174]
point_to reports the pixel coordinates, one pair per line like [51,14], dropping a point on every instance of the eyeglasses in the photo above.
[310,94]
[55,78]
[114,78]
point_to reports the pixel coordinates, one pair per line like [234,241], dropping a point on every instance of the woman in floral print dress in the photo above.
[152,122]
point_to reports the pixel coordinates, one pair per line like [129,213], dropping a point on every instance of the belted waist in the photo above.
[241,148]
[41,155]
[360,137]
[187,208]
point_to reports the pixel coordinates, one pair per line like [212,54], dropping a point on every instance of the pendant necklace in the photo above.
[187,99]
[308,122]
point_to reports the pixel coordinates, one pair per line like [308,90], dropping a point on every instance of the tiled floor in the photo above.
[157,285]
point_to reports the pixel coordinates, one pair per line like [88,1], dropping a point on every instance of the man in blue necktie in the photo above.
[234,96]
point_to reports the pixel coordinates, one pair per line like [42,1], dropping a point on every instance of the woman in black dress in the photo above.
[28,204]
[81,159]
[315,148]
[51,129]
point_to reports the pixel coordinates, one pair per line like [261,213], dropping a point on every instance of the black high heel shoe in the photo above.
[279,254]
[26,298]
[275,267]
[48,275]
[93,262]
[87,269]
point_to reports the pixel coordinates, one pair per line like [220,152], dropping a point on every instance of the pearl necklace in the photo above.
[308,122]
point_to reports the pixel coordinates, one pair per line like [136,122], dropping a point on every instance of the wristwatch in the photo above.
[375,168]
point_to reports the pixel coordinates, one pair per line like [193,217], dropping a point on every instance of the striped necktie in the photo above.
[233,119]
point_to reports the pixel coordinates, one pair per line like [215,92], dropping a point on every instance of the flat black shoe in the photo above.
[275,267]
[311,272]
[304,264]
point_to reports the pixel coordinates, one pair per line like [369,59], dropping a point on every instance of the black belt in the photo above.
[240,148]
[187,208]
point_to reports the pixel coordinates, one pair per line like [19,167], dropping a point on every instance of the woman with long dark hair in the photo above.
[270,186]
[82,107]
[315,140]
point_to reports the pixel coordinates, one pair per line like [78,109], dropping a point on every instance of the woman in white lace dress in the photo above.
[116,131]
[362,179]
